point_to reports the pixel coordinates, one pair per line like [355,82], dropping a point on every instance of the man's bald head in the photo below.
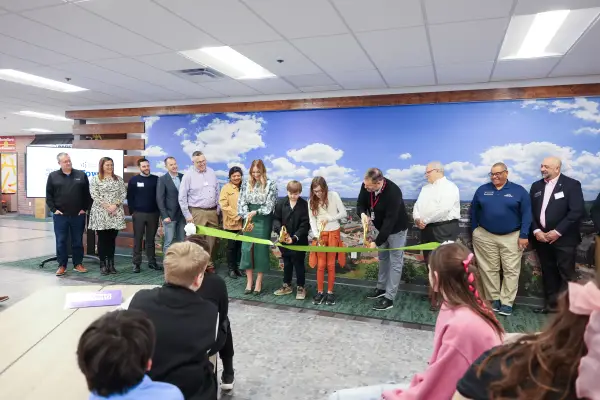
[550,168]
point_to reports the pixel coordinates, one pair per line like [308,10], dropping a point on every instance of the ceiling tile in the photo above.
[178,34]
[463,73]
[361,15]
[271,86]
[26,51]
[9,62]
[328,88]
[526,7]
[583,58]
[396,48]
[535,68]
[359,80]
[2,12]
[439,11]
[467,42]
[168,61]
[229,21]
[231,88]
[267,54]
[17,27]
[299,19]
[310,80]
[338,53]
[80,23]
[414,76]
[22,5]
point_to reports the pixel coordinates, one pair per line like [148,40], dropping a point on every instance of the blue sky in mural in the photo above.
[341,144]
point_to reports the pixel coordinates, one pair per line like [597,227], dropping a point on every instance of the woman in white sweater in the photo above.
[326,210]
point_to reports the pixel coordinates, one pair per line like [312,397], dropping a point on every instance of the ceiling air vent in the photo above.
[204,74]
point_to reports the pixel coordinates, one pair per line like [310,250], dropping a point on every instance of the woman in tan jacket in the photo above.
[232,222]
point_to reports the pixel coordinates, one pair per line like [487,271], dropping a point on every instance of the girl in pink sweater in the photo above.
[466,327]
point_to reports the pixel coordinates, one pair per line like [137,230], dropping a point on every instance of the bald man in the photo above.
[558,208]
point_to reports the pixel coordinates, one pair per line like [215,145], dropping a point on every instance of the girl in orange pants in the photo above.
[326,210]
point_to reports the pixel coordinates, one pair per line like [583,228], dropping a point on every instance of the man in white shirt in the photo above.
[437,211]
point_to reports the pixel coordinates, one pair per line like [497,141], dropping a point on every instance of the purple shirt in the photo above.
[198,189]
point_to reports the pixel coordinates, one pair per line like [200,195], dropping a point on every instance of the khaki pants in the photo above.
[494,252]
[597,256]
[204,217]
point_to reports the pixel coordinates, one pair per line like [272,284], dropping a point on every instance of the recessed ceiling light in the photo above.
[547,34]
[35,114]
[37,81]
[228,61]
[38,130]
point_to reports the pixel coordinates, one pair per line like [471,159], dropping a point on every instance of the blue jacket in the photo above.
[146,389]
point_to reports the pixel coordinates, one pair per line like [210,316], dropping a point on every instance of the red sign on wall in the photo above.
[8,143]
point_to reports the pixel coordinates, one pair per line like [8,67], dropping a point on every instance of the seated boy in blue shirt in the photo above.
[115,352]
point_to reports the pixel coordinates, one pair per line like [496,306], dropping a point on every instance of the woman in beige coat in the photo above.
[232,222]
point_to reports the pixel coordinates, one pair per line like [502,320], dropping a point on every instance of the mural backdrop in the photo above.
[340,144]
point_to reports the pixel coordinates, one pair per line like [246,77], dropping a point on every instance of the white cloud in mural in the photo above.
[226,141]
[160,165]
[282,167]
[332,171]
[591,131]
[180,131]
[580,107]
[236,116]
[316,153]
[150,121]
[154,151]
[238,164]
[196,118]
[405,156]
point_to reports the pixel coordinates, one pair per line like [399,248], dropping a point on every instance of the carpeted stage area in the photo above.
[410,309]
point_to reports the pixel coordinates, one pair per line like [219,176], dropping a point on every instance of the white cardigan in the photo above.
[332,214]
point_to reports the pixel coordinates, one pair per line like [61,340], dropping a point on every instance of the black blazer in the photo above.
[167,197]
[564,213]
[295,220]
[595,213]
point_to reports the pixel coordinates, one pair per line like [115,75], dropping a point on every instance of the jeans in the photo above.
[390,265]
[366,392]
[69,228]
[145,226]
[174,233]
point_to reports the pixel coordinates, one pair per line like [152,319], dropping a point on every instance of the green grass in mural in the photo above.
[409,307]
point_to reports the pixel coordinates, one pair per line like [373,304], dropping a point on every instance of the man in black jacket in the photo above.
[185,323]
[558,208]
[595,214]
[291,212]
[68,198]
[167,199]
[380,200]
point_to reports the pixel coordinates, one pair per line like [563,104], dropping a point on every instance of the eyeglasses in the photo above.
[430,171]
[496,174]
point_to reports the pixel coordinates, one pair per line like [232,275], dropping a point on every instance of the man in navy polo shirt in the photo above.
[500,219]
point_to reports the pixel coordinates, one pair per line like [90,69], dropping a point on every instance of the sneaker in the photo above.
[505,310]
[80,268]
[375,294]
[3,298]
[227,381]
[61,271]
[496,305]
[284,290]
[383,304]
[330,301]
[318,299]
[136,268]
[300,293]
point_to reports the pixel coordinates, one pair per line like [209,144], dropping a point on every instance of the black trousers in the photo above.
[226,353]
[106,243]
[145,226]
[558,268]
[439,232]
[294,260]
[234,252]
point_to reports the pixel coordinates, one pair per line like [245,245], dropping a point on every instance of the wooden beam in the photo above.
[109,129]
[131,161]
[128,175]
[522,93]
[118,144]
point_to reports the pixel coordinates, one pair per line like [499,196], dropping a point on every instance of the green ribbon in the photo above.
[218,233]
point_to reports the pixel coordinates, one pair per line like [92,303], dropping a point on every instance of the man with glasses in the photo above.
[500,219]
[199,195]
[436,212]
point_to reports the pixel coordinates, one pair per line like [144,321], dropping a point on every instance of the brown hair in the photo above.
[544,364]
[184,262]
[458,281]
[314,200]
[103,160]
[263,177]
[200,240]
[294,187]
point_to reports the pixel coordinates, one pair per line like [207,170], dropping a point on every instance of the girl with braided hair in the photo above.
[465,328]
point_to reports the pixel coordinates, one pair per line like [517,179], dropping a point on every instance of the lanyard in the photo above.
[375,199]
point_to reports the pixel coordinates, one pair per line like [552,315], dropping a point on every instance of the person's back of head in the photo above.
[453,274]
[200,240]
[185,264]
[115,352]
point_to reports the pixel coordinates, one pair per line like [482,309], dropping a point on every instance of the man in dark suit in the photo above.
[558,208]
[595,214]
[167,198]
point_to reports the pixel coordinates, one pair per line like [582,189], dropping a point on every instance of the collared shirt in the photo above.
[502,211]
[548,189]
[438,202]
[146,389]
[176,181]
[198,189]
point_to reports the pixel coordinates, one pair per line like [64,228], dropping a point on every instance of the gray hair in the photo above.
[437,165]
[197,153]
[374,174]
[60,155]
[500,164]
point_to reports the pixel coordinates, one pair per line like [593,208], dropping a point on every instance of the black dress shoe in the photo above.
[155,267]
[238,272]
[232,274]
[545,310]
[136,268]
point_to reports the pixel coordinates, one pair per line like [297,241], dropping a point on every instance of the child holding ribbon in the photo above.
[326,210]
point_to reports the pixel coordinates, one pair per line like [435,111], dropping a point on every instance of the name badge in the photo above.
[488,193]
[77,179]
[537,194]
[559,195]
[140,184]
